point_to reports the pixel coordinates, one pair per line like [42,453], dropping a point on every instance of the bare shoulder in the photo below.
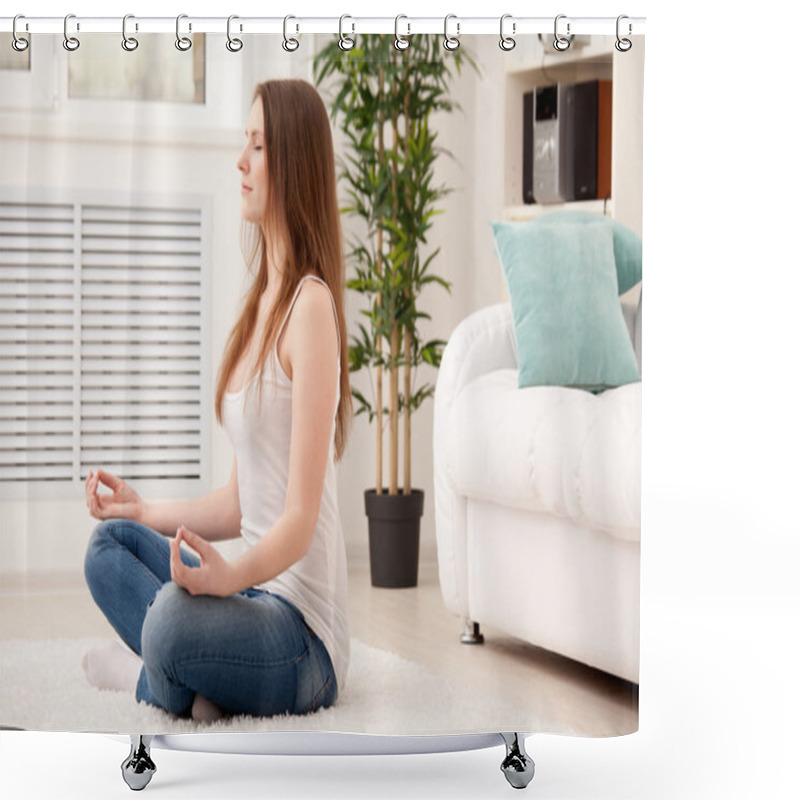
[314,295]
[312,329]
[314,307]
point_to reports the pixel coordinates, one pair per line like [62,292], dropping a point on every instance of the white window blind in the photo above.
[101,341]
[38,356]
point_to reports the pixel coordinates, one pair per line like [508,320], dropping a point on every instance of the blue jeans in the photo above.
[250,653]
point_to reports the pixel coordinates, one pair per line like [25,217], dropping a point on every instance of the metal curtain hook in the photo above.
[451,42]
[560,43]
[233,45]
[623,45]
[507,42]
[401,42]
[70,42]
[128,42]
[289,45]
[345,42]
[18,43]
[182,42]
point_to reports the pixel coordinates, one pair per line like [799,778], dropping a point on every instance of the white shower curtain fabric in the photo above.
[475,562]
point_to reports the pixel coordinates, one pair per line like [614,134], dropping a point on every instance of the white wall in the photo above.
[138,149]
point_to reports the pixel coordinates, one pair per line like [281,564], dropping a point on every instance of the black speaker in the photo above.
[547,136]
[527,148]
[579,143]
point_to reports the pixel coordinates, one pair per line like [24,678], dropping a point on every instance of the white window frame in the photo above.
[34,89]
[45,89]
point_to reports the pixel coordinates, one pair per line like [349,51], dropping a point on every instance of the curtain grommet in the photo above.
[507,43]
[290,44]
[451,43]
[623,45]
[345,42]
[129,43]
[183,43]
[401,43]
[560,43]
[18,42]
[233,44]
[70,43]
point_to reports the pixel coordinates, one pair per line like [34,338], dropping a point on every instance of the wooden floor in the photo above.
[561,695]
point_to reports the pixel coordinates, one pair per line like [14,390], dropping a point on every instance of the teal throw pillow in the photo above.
[568,321]
[627,245]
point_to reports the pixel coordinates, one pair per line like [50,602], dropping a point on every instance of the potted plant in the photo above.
[385,99]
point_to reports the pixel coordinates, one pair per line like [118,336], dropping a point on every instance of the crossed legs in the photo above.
[248,653]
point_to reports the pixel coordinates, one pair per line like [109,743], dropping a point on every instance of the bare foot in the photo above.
[203,710]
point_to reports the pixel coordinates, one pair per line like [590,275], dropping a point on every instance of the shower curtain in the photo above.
[489,492]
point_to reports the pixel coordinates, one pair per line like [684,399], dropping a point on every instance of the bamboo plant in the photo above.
[386,99]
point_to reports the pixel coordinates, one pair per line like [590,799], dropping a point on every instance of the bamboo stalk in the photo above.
[378,347]
[394,418]
[407,337]
[379,383]
[407,391]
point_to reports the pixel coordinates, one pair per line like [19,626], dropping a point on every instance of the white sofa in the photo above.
[537,498]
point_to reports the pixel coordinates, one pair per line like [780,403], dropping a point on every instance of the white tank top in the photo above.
[317,583]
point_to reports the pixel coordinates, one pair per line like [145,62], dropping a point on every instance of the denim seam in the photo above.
[321,693]
[225,659]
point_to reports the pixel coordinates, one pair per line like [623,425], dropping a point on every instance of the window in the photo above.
[101,341]
[156,70]
[11,59]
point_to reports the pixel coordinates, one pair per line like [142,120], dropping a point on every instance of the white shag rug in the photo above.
[43,688]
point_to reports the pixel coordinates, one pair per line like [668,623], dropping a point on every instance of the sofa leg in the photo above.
[472,633]
[518,766]
[138,768]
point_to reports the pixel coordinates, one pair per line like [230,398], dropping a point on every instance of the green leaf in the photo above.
[393,190]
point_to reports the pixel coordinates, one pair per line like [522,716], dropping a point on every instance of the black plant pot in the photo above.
[394,537]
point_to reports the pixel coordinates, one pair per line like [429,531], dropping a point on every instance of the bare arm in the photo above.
[312,348]
[214,516]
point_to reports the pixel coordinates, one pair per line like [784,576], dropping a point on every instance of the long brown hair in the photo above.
[302,212]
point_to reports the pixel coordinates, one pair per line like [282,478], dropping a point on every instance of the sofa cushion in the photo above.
[627,245]
[631,304]
[568,324]
[549,449]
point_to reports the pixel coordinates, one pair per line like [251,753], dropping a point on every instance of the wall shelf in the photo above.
[522,212]
[594,58]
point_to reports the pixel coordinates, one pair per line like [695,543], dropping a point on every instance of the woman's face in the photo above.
[252,165]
